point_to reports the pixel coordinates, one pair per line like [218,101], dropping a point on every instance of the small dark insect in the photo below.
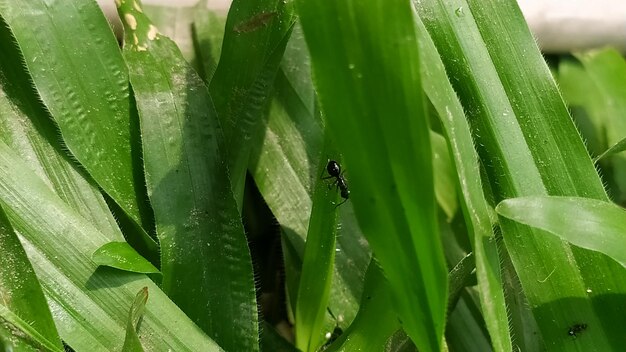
[576,329]
[334,170]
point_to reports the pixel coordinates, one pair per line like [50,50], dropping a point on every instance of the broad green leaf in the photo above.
[131,341]
[370,92]
[205,260]
[27,128]
[77,69]
[587,223]
[529,146]
[121,255]
[317,264]
[89,304]
[21,297]
[607,69]
[254,40]
[473,203]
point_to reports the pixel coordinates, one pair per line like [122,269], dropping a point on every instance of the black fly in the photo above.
[334,170]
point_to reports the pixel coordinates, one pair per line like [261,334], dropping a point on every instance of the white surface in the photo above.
[570,25]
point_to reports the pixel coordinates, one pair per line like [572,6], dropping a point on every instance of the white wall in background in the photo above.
[569,25]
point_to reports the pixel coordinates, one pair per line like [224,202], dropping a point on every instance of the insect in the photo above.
[576,329]
[334,170]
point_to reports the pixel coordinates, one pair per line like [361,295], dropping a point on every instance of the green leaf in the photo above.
[529,146]
[208,32]
[271,340]
[76,67]
[445,178]
[254,40]
[29,131]
[285,169]
[615,149]
[317,264]
[473,203]
[131,341]
[205,260]
[587,223]
[89,304]
[607,69]
[18,334]
[585,102]
[370,91]
[21,297]
[376,320]
[459,278]
[121,255]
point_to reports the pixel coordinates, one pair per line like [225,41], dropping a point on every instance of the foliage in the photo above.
[190,163]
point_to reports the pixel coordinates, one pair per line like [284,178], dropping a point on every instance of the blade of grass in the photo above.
[254,40]
[131,341]
[21,296]
[585,103]
[208,32]
[445,178]
[376,320]
[285,169]
[607,69]
[465,330]
[317,264]
[89,304]
[615,149]
[205,262]
[473,203]
[530,147]
[77,69]
[371,93]
[19,335]
[460,277]
[587,223]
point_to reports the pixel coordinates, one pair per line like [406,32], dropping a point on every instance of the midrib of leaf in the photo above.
[206,262]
